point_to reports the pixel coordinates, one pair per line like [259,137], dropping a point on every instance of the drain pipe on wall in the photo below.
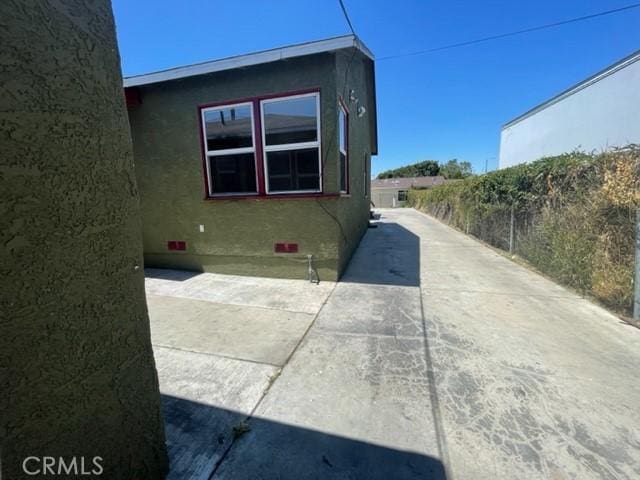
[312,274]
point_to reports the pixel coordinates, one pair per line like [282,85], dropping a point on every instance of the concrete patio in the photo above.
[434,357]
[219,342]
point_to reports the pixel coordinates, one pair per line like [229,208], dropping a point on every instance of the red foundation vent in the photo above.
[285,247]
[177,245]
[132,96]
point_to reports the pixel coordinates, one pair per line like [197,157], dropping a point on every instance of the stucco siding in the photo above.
[239,235]
[77,376]
[354,72]
[605,114]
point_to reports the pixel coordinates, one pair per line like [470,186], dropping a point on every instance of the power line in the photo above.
[346,16]
[509,34]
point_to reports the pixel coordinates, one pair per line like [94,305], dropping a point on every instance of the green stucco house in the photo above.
[249,165]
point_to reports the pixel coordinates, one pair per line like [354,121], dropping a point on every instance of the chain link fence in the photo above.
[568,243]
[573,217]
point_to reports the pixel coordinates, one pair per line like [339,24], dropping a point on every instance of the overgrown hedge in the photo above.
[574,217]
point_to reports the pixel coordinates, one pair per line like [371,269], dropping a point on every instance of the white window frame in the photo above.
[367,177]
[343,122]
[229,151]
[291,146]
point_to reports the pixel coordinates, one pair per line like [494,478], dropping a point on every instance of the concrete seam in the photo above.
[435,402]
[324,331]
[185,297]
[266,391]
[228,357]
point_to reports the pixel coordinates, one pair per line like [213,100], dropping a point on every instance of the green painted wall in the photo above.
[77,375]
[239,234]
[355,73]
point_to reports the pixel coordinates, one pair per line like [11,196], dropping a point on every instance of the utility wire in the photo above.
[503,35]
[324,156]
[346,16]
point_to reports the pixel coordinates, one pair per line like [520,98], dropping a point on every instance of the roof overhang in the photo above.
[266,56]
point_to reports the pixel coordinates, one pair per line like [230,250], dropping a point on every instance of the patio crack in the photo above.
[271,383]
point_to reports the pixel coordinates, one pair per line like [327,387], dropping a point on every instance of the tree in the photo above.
[427,168]
[454,169]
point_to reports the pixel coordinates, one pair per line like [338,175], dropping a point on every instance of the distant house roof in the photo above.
[610,70]
[408,182]
[265,56]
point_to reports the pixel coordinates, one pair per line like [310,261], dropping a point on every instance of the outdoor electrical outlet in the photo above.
[201,228]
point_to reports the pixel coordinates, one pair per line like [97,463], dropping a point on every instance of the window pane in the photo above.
[228,127]
[343,172]
[341,130]
[233,173]
[290,121]
[402,196]
[292,170]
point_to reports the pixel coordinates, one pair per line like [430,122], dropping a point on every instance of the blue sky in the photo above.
[449,104]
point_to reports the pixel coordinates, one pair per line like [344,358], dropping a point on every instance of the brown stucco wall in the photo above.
[239,234]
[77,375]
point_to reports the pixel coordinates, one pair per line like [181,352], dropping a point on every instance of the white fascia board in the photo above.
[257,58]
[610,70]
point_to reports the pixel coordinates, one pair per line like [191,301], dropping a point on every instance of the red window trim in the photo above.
[259,154]
[257,124]
[345,109]
[257,98]
[275,196]
[133,96]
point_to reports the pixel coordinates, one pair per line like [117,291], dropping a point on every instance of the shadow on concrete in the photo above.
[387,255]
[201,441]
[174,275]
[390,255]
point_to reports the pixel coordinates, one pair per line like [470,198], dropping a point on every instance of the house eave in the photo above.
[266,56]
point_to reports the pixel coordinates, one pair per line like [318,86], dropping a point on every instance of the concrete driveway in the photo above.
[434,357]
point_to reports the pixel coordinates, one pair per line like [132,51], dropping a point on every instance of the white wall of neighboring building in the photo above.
[601,113]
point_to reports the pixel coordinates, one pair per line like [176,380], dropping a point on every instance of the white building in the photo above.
[599,113]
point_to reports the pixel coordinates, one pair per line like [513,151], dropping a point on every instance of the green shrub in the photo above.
[574,217]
